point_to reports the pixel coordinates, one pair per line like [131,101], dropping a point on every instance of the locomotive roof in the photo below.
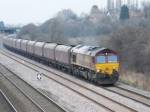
[91,50]
[87,50]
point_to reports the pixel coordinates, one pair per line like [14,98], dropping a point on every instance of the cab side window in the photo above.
[74,58]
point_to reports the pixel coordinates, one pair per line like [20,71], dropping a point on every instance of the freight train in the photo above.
[95,64]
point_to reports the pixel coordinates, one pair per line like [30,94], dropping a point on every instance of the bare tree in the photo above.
[132,45]
[146,9]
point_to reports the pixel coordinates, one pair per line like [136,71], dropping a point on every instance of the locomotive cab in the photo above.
[106,62]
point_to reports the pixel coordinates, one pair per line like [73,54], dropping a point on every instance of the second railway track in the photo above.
[130,94]
[40,100]
[118,106]
[6,105]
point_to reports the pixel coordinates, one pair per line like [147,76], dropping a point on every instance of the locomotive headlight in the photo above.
[98,70]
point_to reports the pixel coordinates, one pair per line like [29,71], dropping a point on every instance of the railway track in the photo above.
[40,100]
[6,105]
[146,94]
[130,94]
[96,93]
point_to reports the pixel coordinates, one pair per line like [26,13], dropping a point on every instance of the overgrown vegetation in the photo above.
[133,46]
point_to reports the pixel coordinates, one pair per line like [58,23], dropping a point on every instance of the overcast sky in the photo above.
[37,11]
